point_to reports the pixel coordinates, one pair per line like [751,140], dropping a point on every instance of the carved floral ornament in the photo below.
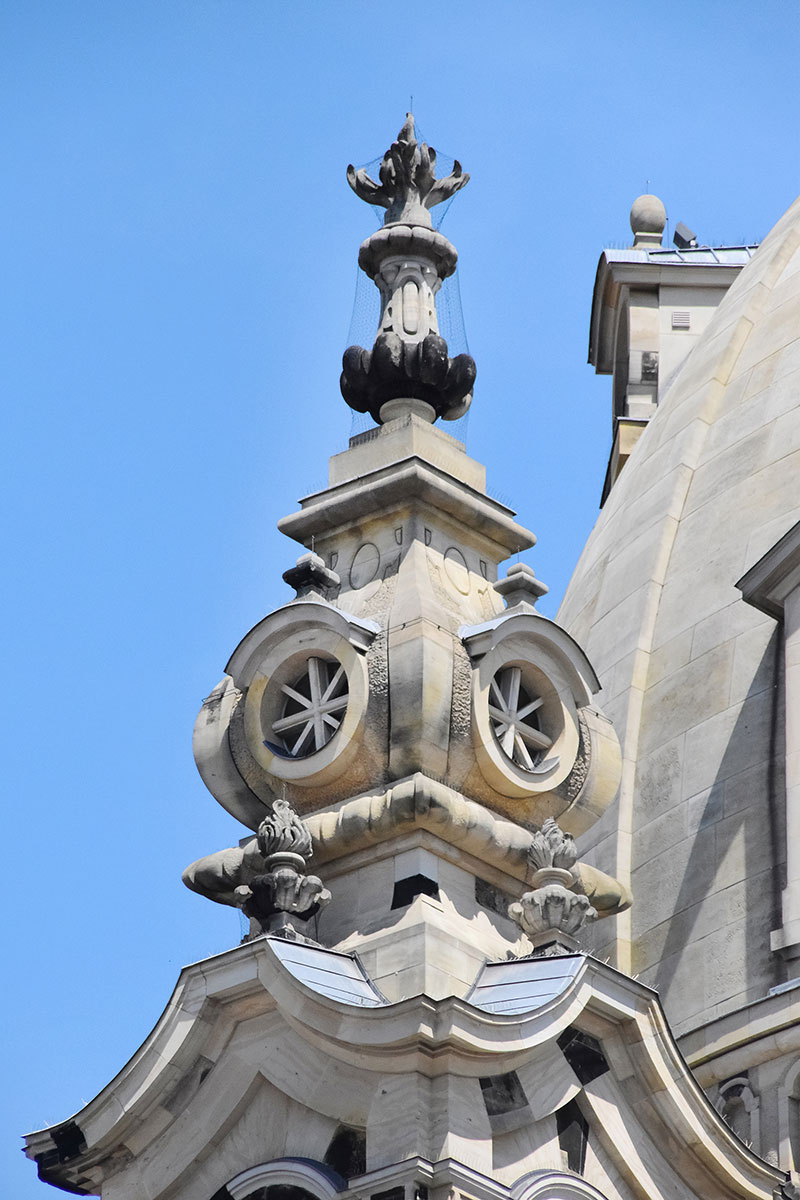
[282,890]
[553,912]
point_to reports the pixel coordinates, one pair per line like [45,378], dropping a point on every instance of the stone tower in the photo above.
[412,748]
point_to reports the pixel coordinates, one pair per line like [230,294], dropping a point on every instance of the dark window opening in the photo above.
[406,890]
[279,1191]
[395,1193]
[502,1094]
[573,1135]
[584,1054]
[347,1153]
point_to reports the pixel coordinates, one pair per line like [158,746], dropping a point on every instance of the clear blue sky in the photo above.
[178,270]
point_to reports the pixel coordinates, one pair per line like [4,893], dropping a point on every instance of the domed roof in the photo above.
[688,670]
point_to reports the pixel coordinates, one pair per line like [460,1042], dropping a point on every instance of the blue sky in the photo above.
[179,265]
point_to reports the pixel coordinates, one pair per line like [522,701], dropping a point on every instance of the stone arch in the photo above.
[738,1105]
[284,1179]
[554,1185]
[789,1117]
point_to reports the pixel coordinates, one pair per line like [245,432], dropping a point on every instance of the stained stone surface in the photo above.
[690,673]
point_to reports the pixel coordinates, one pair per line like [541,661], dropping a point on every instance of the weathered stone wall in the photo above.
[691,674]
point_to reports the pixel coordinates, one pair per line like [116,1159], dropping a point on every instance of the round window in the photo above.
[514,717]
[314,705]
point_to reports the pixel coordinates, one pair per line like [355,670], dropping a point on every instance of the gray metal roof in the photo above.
[523,984]
[339,976]
[720,256]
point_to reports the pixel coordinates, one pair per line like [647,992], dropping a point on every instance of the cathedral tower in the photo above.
[412,748]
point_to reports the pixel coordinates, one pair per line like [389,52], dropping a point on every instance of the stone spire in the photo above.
[421,719]
[408,368]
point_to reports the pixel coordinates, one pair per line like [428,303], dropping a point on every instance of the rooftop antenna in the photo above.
[411,104]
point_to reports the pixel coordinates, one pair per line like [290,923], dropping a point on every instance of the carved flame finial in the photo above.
[282,831]
[553,913]
[408,185]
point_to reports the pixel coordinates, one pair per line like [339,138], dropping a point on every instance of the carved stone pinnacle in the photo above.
[408,368]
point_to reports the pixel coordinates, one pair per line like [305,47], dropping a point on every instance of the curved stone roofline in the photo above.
[308,1039]
[479,639]
[358,630]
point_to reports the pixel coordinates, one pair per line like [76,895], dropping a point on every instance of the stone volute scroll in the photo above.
[408,368]
[553,912]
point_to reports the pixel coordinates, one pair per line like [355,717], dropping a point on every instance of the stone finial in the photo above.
[284,889]
[553,912]
[408,368]
[282,830]
[648,218]
[520,586]
[310,577]
[551,847]
[408,185]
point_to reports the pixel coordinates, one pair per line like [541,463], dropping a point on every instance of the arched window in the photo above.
[788,1147]
[737,1104]
[554,1185]
[284,1179]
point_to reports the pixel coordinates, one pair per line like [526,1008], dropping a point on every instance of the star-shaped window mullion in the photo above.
[512,713]
[313,708]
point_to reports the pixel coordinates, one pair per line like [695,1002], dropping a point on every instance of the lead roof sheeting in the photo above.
[524,985]
[338,976]
[725,256]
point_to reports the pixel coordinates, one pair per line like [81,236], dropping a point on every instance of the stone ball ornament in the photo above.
[648,215]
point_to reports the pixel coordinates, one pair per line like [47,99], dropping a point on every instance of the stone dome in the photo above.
[648,215]
[689,672]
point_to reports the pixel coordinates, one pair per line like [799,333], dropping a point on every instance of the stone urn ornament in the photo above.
[284,890]
[553,913]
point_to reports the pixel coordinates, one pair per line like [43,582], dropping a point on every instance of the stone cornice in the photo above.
[777,573]
[393,487]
